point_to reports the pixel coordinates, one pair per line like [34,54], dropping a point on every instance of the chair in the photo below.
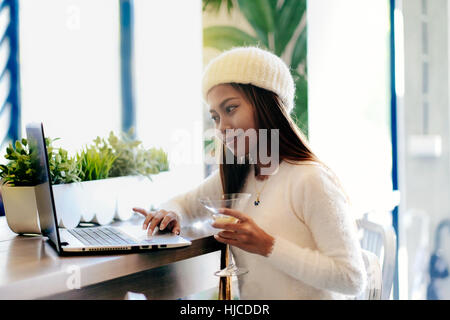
[374,277]
[381,241]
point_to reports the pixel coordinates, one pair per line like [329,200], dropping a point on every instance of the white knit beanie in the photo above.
[251,65]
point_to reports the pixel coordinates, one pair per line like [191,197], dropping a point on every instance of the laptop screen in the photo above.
[43,190]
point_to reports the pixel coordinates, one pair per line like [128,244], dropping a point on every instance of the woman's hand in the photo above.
[162,218]
[245,234]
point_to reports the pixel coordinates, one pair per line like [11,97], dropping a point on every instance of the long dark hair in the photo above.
[269,113]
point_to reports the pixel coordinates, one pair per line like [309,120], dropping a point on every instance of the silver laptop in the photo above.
[89,239]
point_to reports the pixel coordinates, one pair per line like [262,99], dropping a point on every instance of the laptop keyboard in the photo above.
[101,236]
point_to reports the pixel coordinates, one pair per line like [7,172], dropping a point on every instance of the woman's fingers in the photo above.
[166,221]
[170,221]
[155,221]
[229,235]
[236,227]
[148,216]
[231,242]
[245,234]
[234,213]
[147,220]
[141,211]
[176,228]
[170,225]
[162,218]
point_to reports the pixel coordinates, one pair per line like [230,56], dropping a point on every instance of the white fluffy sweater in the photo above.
[316,254]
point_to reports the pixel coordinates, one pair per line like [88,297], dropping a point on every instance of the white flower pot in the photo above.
[87,214]
[68,204]
[21,209]
[98,200]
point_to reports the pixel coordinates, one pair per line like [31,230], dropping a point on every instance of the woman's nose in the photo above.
[223,130]
[223,126]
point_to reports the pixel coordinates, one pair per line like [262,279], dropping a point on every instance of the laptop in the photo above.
[86,239]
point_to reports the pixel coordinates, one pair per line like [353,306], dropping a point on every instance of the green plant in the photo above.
[214,5]
[133,159]
[20,169]
[152,161]
[275,26]
[116,157]
[95,161]
[63,169]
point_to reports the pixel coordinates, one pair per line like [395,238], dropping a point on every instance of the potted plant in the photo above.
[102,182]
[18,187]
[18,178]
[133,169]
[65,173]
[116,176]
[97,196]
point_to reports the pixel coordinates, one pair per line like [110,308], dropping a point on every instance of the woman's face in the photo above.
[230,111]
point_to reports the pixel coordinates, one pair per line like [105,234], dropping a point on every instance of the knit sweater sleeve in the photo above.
[336,263]
[187,206]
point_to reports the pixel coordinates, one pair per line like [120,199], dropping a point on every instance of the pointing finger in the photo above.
[141,211]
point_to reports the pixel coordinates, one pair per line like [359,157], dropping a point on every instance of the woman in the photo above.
[296,237]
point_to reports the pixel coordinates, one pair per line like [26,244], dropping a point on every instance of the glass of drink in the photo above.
[236,201]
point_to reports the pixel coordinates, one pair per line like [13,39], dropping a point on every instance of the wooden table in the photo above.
[31,269]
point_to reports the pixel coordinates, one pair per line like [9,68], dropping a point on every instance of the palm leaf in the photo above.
[215,5]
[261,16]
[300,50]
[273,4]
[300,112]
[225,37]
[289,17]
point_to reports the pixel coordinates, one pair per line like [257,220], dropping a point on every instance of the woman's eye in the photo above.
[214,118]
[230,108]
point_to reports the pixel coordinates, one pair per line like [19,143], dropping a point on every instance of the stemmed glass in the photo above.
[236,201]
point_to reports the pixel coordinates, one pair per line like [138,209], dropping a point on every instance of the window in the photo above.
[168,69]
[71,75]
[349,97]
[9,75]
[70,71]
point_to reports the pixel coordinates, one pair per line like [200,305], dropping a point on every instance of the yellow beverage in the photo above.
[225,219]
